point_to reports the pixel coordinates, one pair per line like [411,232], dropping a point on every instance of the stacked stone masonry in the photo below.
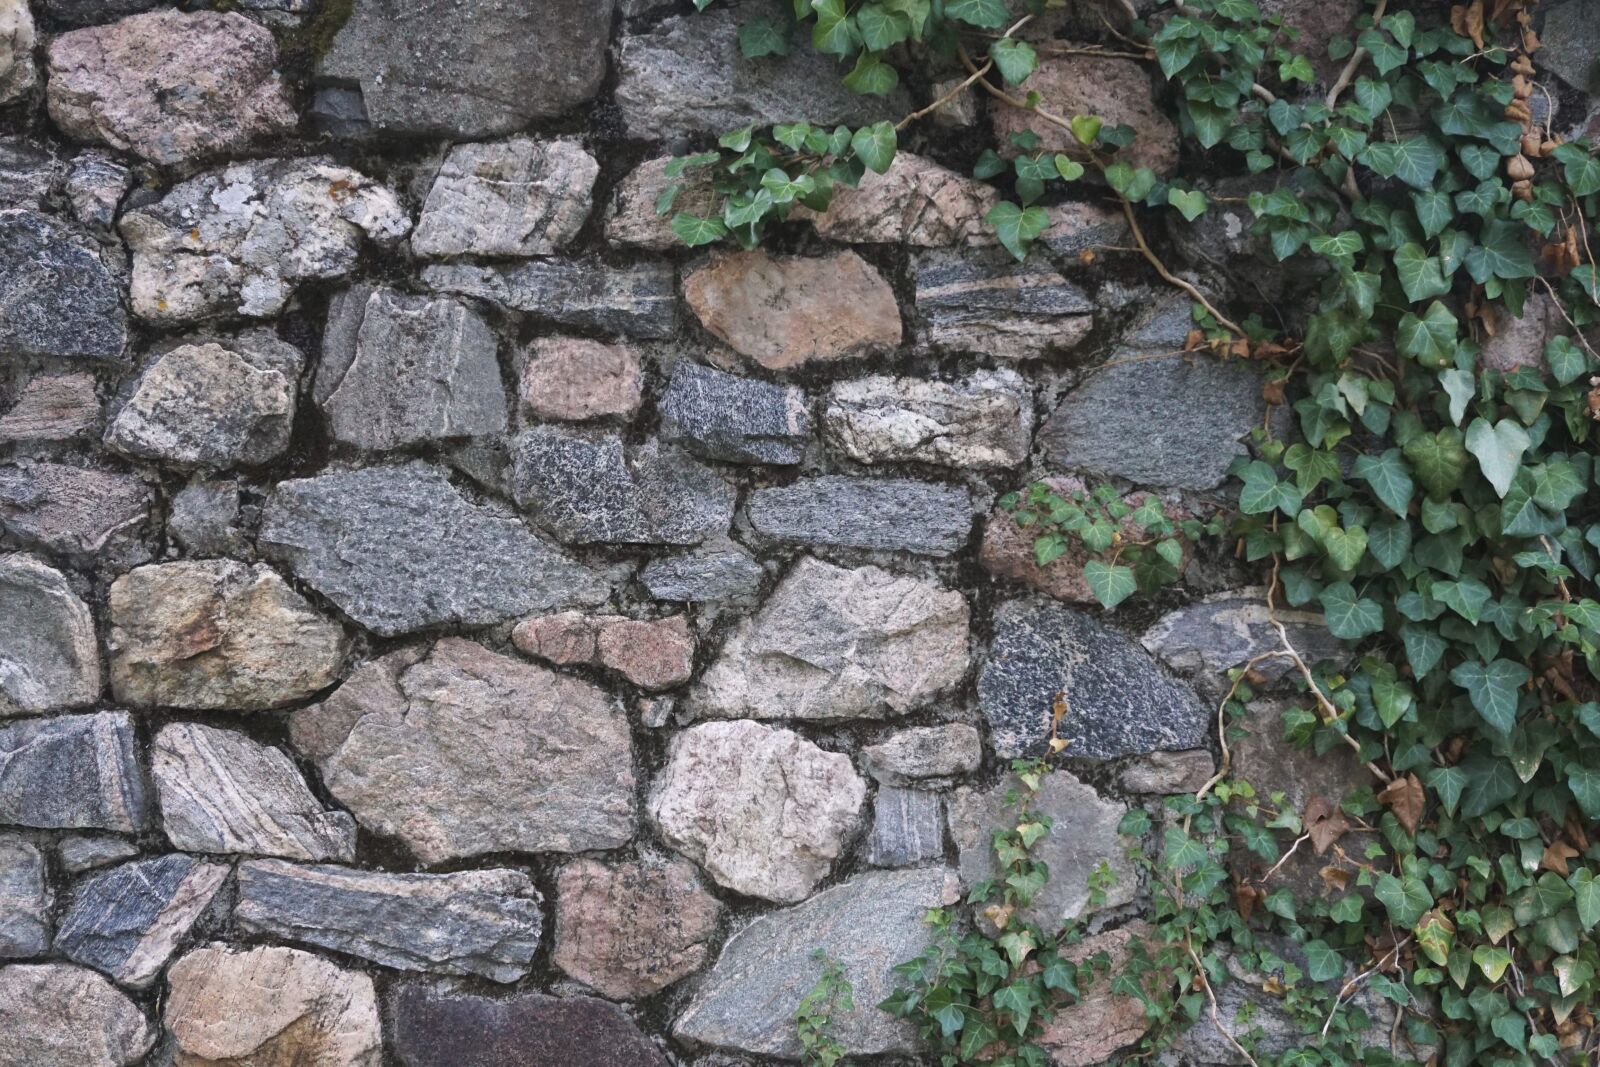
[445,621]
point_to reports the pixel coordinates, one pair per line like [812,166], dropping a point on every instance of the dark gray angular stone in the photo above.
[741,420]
[481,922]
[710,573]
[24,900]
[56,297]
[95,187]
[907,828]
[486,69]
[81,512]
[883,514]
[1119,701]
[207,520]
[29,173]
[1571,39]
[1229,629]
[589,490]
[985,301]
[73,772]
[639,301]
[399,549]
[128,921]
[1161,422]
[444,1028]
[92,12]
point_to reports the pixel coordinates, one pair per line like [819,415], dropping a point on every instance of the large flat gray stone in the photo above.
[880,514]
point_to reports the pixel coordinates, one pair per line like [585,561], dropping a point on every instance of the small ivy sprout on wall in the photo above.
[832,995]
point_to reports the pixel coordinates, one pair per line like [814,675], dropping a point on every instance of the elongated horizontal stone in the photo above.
[983,422]
[636,301]
[438,1027]
[741,420]
[984,301]
[129,920]
[883,514]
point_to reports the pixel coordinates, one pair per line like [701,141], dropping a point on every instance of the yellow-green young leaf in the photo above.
[693,230]
[1492,961]
[1191,204]
[1069,169]
[1436,936]
[1086,128]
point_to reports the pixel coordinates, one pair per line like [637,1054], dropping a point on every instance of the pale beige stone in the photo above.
[58,1015]
[573,378]
[915,202]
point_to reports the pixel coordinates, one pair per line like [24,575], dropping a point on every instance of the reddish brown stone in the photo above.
[437,1028]
[650,653]
[571,378]
[565,638]
[55,407]
[1102,1022]
[1116,90]
[915,202]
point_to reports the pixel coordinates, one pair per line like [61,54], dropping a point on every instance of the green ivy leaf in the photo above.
[1581,170]
[1424,649]
[1406,899]
[1438,460]
[871,76]
[1014,59]
[1586,890]
[1086,128]
[1262,492]
[985,14]
[1498,447]
[1584,781]
[1434,211]
[882,28]
[1323,964]
[1449,783]
[1501,252]
[1069,169]
[1492,960]
[1349,617]
[1191,204]
[875,146]
[762,36]
[1492,688]
[1111,584]
[1415,161]
[834,32]
[1345,547]
[1017,228]
[693,230]
[1389,478]
[1386,55]
[1431,339]
[1420,274]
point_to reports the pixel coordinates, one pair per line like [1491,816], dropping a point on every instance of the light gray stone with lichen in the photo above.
[982,422]
[520,197]
[49,654]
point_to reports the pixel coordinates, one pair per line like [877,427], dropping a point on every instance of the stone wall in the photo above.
[443,621]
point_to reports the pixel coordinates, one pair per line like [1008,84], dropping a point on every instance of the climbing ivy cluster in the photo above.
[1435,501]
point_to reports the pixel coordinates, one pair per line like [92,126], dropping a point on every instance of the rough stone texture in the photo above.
[1119,702]
[868,924]
[81,512]
[1158,422]
[1075,228]
[915,202]
[25,900]
[763,810]
[437,1027]
[95,187]
[786,311]
[632,219]
[989,303]
[172,87]
[1082,837]
[572,379]
[266,1006]
[833,643]
[593,489]
[212,404]
[83,12]
[686,76]
[983,422]
[30,173]
[81,852]
[17,39]
[1571,45]
[486,70]
[78,772]
[712,573]
[636,301]
[56,296]
[239,240]
[1168,772]
[1229,629]
[207,519]
[217,634]
[1117,90]
[650,653]
[1519,342]
[58,1015]
[907,828]
[1101,1023]
[631,929]
[128,921]
[467,752]
[738,420]
[883,514]
[222,792]
[400,548]
[483,922]
[924,752]
[49,658]
[52,407]
[512,198]
[400,370]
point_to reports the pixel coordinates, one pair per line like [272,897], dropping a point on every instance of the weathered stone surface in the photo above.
[56,296]
[80,852]
[915,202]
[1168,772]
[1082,837]
[1117,90]
[49,655]
[868,924]
[30,173]
[924,752]
[1229,629]
[637,301]
[52,407]
[786,311]
[399,548]
[739,420]
[632,928]
[1119,702]
[400,370]
[222,792]
[519,197]
[18,74]
[715,572]
[983,422]
[83,12]
[632,218]
[437,1027]
[82,512]
[467,752]
[882,514]
[208,519]
[1076,227]
[486,70]
[987,302]
[572,379]
[1519,341]
[1230,255]
[686,76]
[763,810]
[25,900]
[73,772]
[264,1006]
[58,1015]
[174,87]
[239,240]
[127,922]
[483,922]
[217,634]
[1158,422]
[212,404]
[594,489]
[834,643]
[95,187]
[1100,1023]
[907,828]
[650,653]
[1571,45]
